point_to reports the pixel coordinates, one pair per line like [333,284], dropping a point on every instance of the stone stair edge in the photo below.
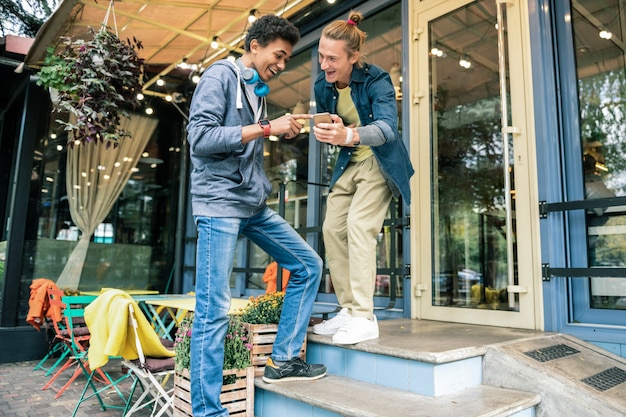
[351,398]
[436,358]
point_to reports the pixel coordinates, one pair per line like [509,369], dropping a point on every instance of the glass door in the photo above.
[597,31]
[479,265]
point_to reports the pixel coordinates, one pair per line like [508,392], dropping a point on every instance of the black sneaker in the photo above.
[294,370]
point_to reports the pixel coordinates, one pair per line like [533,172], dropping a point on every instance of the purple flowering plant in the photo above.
[182,343]
[97,79]
[236,344]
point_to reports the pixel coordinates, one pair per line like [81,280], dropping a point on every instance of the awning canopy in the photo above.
[175,34]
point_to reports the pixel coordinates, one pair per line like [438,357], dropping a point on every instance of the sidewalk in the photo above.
[21,393]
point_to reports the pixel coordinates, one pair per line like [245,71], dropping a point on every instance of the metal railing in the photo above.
[570,272]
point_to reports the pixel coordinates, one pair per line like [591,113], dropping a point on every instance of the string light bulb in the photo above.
[605,34]
[214,43]
[436,52]
[252,16]
[465,63]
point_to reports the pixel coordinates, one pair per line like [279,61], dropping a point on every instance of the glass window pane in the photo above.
[286,160]
[133,246]
[468,203]
[598,41]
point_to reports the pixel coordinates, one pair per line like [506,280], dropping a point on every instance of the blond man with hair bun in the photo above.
[373,167]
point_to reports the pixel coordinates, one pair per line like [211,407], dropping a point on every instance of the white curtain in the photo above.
[96,177]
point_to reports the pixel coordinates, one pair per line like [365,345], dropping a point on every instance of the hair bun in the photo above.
[355,18]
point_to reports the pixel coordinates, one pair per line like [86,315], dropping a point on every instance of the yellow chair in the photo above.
[110,327]
[116,331]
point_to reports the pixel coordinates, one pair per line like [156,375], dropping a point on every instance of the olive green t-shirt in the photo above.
[347,111]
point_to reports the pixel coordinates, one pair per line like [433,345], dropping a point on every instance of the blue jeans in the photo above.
[217,238]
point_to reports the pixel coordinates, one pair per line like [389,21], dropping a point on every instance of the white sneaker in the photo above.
[330,327]
[357,330]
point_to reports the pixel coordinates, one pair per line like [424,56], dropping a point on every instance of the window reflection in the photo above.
[133,246]
[598,41]
[468,200]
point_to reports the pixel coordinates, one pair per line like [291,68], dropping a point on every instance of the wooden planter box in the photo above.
[262,337]
[237,398]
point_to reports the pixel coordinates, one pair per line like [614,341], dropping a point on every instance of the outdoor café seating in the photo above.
[118,333]
[132,327]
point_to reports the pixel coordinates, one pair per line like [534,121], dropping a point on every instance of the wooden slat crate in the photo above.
[238,397]
[262,337]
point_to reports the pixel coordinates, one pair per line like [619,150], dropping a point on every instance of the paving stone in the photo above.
[21,393]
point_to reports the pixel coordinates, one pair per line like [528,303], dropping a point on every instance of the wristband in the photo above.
[265,125]
[349,136]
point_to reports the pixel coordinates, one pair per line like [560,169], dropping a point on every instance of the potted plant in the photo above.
[52,74]
[238,384]
[97,80]
[263,309]
[260,318]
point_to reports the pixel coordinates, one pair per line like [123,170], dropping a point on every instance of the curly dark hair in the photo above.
[270,27]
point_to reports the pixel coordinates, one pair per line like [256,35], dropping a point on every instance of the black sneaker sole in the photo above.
[293,378]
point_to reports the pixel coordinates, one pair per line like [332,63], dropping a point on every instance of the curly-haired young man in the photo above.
[226,130]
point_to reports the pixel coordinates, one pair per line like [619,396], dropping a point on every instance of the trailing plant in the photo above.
[98,80]
[53,71]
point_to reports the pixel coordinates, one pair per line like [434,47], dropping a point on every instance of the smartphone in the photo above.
[322,118]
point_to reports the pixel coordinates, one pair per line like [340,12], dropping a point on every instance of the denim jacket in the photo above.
[375,100]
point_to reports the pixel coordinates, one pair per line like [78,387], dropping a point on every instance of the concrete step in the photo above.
[334,396]
[429,368]
[415,368]
[422,357]
[574,378]
[392,369]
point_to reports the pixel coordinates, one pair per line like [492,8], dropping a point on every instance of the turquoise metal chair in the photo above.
[56,348]
[97,375]
[75,339]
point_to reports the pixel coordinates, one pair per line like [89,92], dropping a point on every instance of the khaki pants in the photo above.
[355,212]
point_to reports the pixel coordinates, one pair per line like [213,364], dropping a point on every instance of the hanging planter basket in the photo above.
[97,80]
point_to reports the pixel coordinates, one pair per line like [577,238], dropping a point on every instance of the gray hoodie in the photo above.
[227,177]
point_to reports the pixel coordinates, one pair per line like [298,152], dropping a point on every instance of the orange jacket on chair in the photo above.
[39,306]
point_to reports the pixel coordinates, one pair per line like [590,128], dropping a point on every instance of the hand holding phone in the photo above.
[322,118]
